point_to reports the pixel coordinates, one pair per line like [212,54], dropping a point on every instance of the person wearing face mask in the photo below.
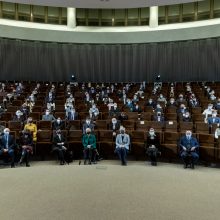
[2,110]
[122,117]
[171,103]
[114,110]
[152,145]
[114,126]
[26,142]
[58,124]
[88,124]
[186,117]
[151,103]
[48,116]
[136,108]
[89,147]
[7,146]
[207,112]
[32,128]
[213,119]
[180,99]
[129,104]
[158,117]
[18,116]
[71,114]
[94,112]
[25,110]
[161,98]
[58,146]
[122,145]
[189,149]
[217,104]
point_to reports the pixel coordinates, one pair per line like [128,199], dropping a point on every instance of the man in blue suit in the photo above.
[122,145]
[189,149]
[214,119]
[7,145]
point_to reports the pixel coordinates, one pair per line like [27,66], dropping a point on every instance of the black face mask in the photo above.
[122,132]
[88,133]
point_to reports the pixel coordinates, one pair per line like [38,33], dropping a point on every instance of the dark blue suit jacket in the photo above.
[211,121]
[11,142]
[184,142]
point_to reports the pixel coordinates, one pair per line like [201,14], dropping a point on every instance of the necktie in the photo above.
[122,138]
[6,137]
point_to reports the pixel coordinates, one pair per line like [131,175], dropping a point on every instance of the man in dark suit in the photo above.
[214,119]
[59,142]
[114,126]
[189,149]
[58,124]
[88,124]
[158,117]
[7,145]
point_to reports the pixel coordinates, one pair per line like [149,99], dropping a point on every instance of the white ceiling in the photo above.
[101,3]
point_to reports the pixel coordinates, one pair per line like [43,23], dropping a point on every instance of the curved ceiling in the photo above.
[101,3]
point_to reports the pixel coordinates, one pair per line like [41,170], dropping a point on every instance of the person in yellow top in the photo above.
[32,128]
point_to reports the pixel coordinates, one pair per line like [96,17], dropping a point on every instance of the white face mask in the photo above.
[58,121]
[6,132]
[114,121]
[87,121]
[188,135]
[151,133]
[47,113]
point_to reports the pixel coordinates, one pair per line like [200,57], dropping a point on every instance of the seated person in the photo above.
[18,116]
[48,116]
[217,131]
[171,103]
[114,126]
[207,112]
[7,146]
[182,110]
[217,104]
[122,145]
[30,126]
[71,114]
[161,98]
[158,117]
[88,124]
[51,106]
[26,141]
[114,110]
[122,117]
[59,142]
[186,117]
[189,149]
[2,110]
[136,108]
[2,127]
[89,147]
[213,119]
[152,146]
[58,124]
[151,103]
[94,112]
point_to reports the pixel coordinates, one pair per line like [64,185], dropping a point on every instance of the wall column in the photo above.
[71,17]
[153,17]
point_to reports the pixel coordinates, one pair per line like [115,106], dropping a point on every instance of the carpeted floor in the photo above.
[109,191]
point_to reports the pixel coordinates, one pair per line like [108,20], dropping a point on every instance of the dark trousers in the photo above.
[89,153]
[122,154]
[10,153]
[152,153]
[60,153]
[25,155]
[189,157]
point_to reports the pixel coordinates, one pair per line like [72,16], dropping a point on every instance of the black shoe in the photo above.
[20,163]
[61,163]
[192,166]
[27,165]
[84,162]
[185,166]
[12,166]
[90,162]
[79,162]
[124,164]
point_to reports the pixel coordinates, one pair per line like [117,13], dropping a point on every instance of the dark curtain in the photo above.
[175,61]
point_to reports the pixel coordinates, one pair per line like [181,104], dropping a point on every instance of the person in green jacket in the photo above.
[89,145]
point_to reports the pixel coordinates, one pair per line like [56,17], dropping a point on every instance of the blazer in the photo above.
[117,126]
[89,140]
[57,126]
[3,142]
[192,142]
[85,125]
[48,118]
[213,120]
[125,141]
[57,140]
